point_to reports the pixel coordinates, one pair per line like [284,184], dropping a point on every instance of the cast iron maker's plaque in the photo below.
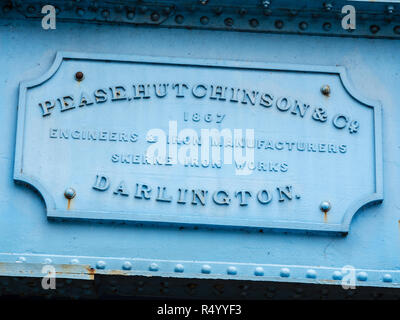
[225,143]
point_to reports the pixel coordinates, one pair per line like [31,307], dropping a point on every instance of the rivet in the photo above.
[259,271]
[21,260]
[279,24]
[127,265]
[100,264]
[303,25]
[362,276]
[228,22]
[130,15]
[374,28]
[47,261]
[80,12]
[203,2]
[254,23]
[204,20]
[326,90]
[74,261]
[179,19]
[328,6]
[285,273]
[231,270]
[390,9]
[242,11]
[218,11]
[179,268]
[155,16]
[325,206]
[69,193]
[153,267]
[266,3]
[105,13]
[79,76]
[327,26]
[312,274]
[387,278]
[337,275]
[206,269]
[396,29]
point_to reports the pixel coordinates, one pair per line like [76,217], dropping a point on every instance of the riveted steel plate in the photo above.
[224,143]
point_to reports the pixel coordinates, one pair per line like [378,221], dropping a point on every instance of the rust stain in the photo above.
[91,272]
[69,204]
[325,216]
[116,273]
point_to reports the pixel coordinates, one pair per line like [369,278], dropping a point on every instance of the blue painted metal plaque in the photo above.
[223,143]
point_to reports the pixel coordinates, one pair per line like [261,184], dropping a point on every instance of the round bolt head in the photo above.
[79,76]
[279,24]
[254,23]
[179,19]
[105,13]
[259,271]
[204,20]
[266,3]
[285,273]
[179,268]
[206,269]
[130,15]
[374,28]
[70,193]
[327,26]
[337,275]
[303,25]
[155,16]
[326,90]
[231,270]
[362,276]
[311,274]
[328,6]
[325,206]
[387,278]
[153,267]
[228,22]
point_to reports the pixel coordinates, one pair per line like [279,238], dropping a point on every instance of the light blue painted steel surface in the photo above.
[193,185]
[372,245]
